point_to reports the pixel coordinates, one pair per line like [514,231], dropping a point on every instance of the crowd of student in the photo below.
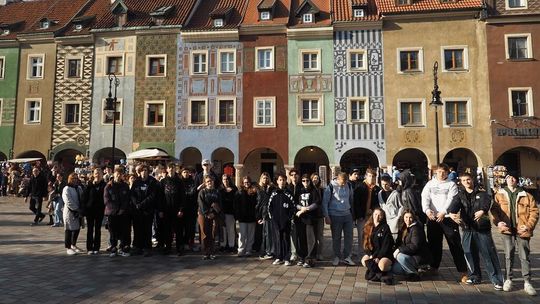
[400,229]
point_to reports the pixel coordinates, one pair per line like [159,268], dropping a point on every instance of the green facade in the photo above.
[8,95]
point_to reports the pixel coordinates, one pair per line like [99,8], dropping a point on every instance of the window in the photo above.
[516,4]
[107,117]
[410,60]
[264,109]
[455,58]
[73,67]
[199,62]
[358,13]
[227,62]
[265,58]
[156,65]
[307,18]
[2,67]
[456,113]
[518,46]
[358,110]
[403,2]
[5,32]
[310,110]
[78,27]
[411,113]
[310,60]
[72,113]
[357,60]
[44,24]
[154,113]
[198,112]
[521,104]
[265,16]
[35,66]
[33,111]
[115,65]
[218,22]
[226,111]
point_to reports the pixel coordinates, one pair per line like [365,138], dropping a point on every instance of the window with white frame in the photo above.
[307,18]
[2,67]
[218,22]
[358,109]
[310,60]
[310,110]
[156,65]
[265,15]
[357,60]
[516,4]
[358,12]
[33,111]
[154,114]
[115,65]
[71,113]
[199,62]
[226,109]
[107,116]
[411,113]
[35,66]
[73,67]
[264,112]
[227,61]
[265,58]
[198,112]
[518,46]
[521,103]
[456,113]
[410,60]
[455,58]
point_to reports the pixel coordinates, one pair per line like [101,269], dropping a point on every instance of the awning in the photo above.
[23,160]
[148,154]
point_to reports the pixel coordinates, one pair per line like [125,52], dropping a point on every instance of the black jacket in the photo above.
[145,195]
[38,186]
[189,194]
[245,205]
[309,197]
[281,208]
[172,201]
[227,199]
[93,199]
[117,198]
[414,244]
[382,241]
[199,179]
[294,190]
[209,201]
[411,198]
[468,204]
[361,194]
[263,196]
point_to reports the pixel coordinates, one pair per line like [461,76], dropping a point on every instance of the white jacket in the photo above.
[437,196]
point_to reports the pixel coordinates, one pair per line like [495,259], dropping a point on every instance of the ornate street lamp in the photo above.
[436,102]
[110,109]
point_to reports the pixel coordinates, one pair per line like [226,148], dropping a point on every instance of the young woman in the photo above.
[411,248]
[117,198]
[264,191]
[209,201]
[94,210]
[71,195]
[378,244]
[228,192]
[309,202]
[245,211]
[318,217]
[281,209]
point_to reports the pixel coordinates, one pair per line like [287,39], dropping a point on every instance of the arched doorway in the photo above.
[524,160]
[66,159]
[223,160]
[310,159]
[191,158]
[2,156]
[414,160]
[104,156]
[462,160]
[263,160]
[32,154]
[358,158]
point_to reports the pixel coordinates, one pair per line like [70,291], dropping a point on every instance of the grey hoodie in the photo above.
[337,200]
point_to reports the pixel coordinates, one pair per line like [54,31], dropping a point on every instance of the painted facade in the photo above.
[9,58]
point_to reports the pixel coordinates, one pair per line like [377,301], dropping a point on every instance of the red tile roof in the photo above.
[390,6]
[266,4]
[280,16]
[201,19]
[25,13]
[343,10]
[60,12]
[321,19]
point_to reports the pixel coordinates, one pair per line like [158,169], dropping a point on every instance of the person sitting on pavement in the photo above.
[378,245]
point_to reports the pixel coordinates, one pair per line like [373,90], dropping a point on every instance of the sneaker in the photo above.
[335,261]
[349,261]
[277,262]
[300,263]
[464,278]
[288,263]
[294,257]
[497,287]
[77,249]
[212,257]
[529,289]
[470,281]
[266,257]
[41,217]
[56,225]
[206,257]
[71,252]
[123,253]
[507,286]
[306,265]
[90,252]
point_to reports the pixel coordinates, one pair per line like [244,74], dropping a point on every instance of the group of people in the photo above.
[400,229]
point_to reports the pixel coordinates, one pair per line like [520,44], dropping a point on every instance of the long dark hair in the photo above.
[368,228]
[404,230]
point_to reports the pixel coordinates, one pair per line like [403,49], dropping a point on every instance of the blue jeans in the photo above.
[474,242]
[58,205]
[405,264]
[339,225]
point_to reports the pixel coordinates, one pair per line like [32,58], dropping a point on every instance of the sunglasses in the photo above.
[305,180]
[205,165]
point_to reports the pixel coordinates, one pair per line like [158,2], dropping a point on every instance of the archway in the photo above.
[104,156]
[310,159]
[191,157]
[2,156]
[462,160]
[66,159]
[414,160]
[223,160]
[524,160]
[263,160]
[358,158]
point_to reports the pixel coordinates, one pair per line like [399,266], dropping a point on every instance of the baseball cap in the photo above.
[205,162]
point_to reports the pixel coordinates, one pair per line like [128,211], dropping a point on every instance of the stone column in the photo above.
[239,172]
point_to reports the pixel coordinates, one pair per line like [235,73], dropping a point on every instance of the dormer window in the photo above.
[358,13]
[404,2]
[44,24]
[5,32]
[307,18]
[218,22]
[265,15]
[120,12]
[78,27]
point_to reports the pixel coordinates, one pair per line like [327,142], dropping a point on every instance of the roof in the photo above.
[322,19]
[20,16]
[343,10]
[202,20]
[88,18]
[280,15]
[498,8]
[390,6]
[139,12]
[60,13]
[266,4]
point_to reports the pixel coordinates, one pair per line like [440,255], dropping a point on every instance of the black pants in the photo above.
[71,237]
[258,238]
[35,207]
[300,239]
[119,228]
[142,230]
[190,222]
[282,242]
[93,234]
[450,230]
[172,225]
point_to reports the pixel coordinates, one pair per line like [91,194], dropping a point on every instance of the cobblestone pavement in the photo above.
[35,269]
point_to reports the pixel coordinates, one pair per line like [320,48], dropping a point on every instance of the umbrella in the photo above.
[23,160]
[148,154]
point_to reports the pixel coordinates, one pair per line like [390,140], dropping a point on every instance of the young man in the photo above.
[473,206]
[171,211]
[37,190]
[515,213]
[437,197]
[294,187]
[365,200]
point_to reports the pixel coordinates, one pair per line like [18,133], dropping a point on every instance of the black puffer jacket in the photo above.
[172,201]
[189,194]
[117,198]
[94,204]
[414,243]
[468,204]
[382,242]
[145,195]
[227,199]
[263,196]
[281,208]
[410,198]
[38,186]
[245,205]
[361,194]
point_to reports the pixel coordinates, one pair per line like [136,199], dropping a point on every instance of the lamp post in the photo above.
[436,102]
[110,108]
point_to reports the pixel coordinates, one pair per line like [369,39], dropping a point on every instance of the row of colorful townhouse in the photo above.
[267,85]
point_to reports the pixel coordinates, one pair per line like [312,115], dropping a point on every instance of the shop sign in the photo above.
[520,133]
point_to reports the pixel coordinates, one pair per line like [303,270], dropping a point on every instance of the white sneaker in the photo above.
[277,262]
[71,252]
[335,261]
[90,253]
[507,286]
[529,289]
[349,261]
[288,263]
[77,249]
[124,254]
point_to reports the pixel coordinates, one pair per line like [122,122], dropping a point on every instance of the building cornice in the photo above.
[211,36]
[356,25]
[513,19]
[36,37]
[465,14]
[159,31]
[263,29]
[80,39]
[310,33]
[9,43]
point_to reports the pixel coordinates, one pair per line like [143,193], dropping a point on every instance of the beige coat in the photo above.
[526,211]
